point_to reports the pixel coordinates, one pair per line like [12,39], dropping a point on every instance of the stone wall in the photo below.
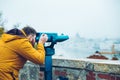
[30,71]
[86,69]
[75,69]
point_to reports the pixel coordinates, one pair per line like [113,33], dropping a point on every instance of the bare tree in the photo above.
[2,23]
[1,31]
[16,25]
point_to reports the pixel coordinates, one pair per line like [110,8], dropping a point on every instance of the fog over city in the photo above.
[89,18]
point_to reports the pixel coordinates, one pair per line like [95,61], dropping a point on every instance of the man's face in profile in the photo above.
[31,38]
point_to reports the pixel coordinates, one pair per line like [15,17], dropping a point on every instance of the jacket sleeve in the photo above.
[28,52]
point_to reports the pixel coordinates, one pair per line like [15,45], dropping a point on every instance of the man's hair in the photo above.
[29,30]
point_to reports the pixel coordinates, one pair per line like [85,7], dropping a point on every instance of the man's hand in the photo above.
[43,38]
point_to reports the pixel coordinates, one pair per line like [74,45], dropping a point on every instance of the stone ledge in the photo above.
[107,66]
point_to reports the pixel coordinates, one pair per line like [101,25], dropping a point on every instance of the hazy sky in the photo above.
[89,18]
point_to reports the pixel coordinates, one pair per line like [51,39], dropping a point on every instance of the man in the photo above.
[16,47]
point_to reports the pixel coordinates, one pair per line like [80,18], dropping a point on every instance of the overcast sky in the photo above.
[89,18]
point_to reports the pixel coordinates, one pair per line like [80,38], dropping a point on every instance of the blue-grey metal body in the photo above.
[53,38]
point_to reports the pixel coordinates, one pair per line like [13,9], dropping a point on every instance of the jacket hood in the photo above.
[12,34]
[9,37]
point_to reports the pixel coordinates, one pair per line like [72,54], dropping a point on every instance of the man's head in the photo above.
[30,34]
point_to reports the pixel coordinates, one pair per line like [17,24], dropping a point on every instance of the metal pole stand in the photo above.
[48,63]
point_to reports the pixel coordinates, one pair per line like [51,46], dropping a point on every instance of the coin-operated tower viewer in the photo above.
[53,38]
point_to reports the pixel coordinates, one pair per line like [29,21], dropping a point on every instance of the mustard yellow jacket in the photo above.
[14,52]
